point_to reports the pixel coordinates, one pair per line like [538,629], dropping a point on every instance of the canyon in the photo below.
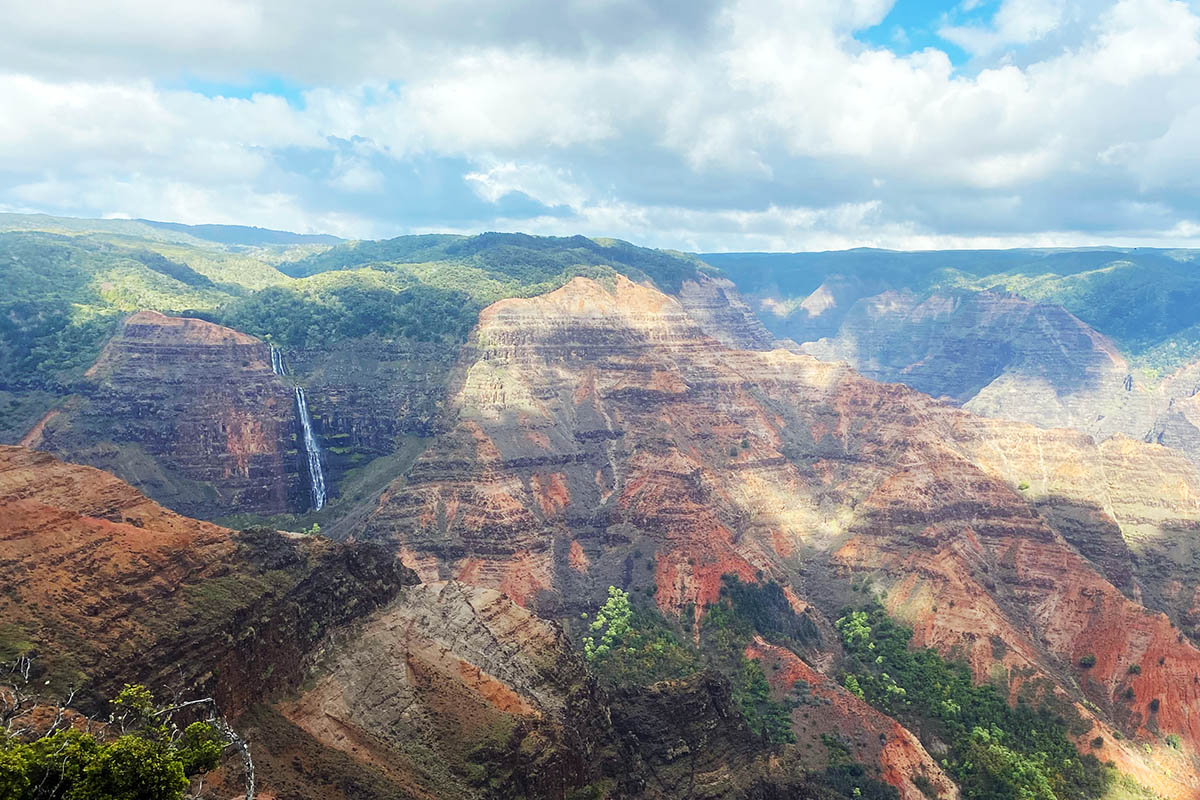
[598,432]
[996,473]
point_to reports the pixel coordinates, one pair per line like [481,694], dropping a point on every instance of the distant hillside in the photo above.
[1147,300]
[162,231]
[242,234]
[505,257]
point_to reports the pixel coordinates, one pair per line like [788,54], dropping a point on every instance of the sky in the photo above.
[701,125]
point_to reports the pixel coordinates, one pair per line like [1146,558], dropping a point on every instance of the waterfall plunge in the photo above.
[312,449]
[316,473]
[277,361]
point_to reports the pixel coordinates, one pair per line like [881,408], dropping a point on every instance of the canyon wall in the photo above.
[601,438]
[189,412]
[999,355]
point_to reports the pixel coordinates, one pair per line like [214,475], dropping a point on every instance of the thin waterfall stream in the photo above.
[312,448]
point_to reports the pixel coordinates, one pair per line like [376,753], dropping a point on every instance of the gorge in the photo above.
[612,437]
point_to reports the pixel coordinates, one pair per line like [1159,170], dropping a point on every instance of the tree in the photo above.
[611,624]
[140,752]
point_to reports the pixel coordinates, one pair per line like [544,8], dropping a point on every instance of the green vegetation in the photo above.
[139,755]
[625,645]
[768,718]
[996,751]
[1088,661]
[515,259]
[632,646]
[766,608]
[317,313]
[848,777]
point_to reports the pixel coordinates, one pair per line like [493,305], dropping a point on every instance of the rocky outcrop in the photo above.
[601,438]
[714,303]
[454,691]
[189,412]
[827,710]
[105,587]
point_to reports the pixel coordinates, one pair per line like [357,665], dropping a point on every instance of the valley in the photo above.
[383,499]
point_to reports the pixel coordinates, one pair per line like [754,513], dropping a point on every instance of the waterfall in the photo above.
[312,450]
[316,473]
[277,361]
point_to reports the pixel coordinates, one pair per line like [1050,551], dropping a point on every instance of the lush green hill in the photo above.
[513,260]
[70,280]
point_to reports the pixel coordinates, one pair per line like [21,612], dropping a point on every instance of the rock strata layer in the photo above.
[601,438]
[189,412]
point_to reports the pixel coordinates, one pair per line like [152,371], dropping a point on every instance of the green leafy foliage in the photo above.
[766,717]
[766,608]
[512,258]
[625,645]
[315,315]
[144,761]
[996,750]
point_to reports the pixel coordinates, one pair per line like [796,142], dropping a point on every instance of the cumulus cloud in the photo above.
[712,124]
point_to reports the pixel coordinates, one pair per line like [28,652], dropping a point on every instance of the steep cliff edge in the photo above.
[104,587]
[601,438]
[189,412]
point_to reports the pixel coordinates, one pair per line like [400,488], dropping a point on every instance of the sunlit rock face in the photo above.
[716,306]
[598,437]
[189,412]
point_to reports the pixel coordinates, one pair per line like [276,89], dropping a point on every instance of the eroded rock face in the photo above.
[189,412]
[454,691]
[444,679]
[874,738]
[999,355]
[601,438]
[716,306]
[105,587]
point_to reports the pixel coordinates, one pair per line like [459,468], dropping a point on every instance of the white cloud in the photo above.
[713,123]
[547,186]
[1015,22]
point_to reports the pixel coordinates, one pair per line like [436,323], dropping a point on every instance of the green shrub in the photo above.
[766,717]
[1088,661]
[627,646]
[144,761]
[1135,669]
[996,750]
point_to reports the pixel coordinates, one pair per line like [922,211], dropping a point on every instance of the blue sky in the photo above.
[693,124]
[912,25]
